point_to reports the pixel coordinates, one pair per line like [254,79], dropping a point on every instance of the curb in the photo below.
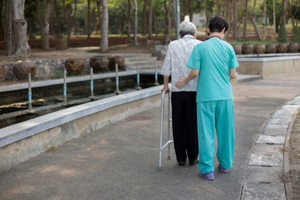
[269,156]
[286,156]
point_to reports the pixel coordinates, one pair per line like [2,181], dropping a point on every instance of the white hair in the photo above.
[187,28]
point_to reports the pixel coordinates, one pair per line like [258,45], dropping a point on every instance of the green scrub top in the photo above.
[213,58]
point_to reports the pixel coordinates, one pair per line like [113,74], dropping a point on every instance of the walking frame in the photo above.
[167,144]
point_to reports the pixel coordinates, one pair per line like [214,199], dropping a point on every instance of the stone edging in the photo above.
[268,162]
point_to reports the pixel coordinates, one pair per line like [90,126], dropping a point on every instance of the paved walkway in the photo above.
[120,160]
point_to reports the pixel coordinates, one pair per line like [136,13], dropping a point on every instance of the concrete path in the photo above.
[120,160]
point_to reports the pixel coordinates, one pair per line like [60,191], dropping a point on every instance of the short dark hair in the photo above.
[217,23]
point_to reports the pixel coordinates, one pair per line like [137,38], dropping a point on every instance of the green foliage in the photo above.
[296,34]
[58,73]
[295,10]
[195,5]
[277,12]
[30,8]
[117,10]
[282,35]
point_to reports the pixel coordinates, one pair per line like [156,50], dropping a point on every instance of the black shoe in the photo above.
[181,163]
[192,163]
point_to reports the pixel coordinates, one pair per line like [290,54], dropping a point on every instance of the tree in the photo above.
[219,6]
[1,25]
[167,6]
[282,34]
[135,40]
[150,20]
[283,15]
[206,14]
[43,13]
[104,26]
[88,20]
[128,21]
[16,29]
[293,9]
[69,16]
[103,16]
[253,20]
[245,19]
[144,17]
[294,13]
[235,37]
[265,33]
[271,14]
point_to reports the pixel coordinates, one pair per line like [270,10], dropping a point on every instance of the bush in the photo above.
[296,34]
[282,35]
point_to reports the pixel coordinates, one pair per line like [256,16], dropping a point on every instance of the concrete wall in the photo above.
[25,140]
[269,66]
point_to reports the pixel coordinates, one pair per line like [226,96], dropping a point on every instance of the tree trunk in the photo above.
[234,27]
[228,8]
[144,18]
[219,7]
[274,18]
[1,25]
[206,15]
[135,22]
[283,16]
[72,22]
[104,27]
[8,33]
[56,21]
[128,21]
[68,18]
[44,23]
[155,24]
[167,20]
[98,26]
[253,20]
[292,18]
[150,20]
[88,20]
[176,17]
[190,10]
[245,20]
[16,29]
[265,33]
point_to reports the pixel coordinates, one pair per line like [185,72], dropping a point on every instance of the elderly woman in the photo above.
[184,116]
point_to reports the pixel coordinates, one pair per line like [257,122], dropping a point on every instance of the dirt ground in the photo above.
[294,160]
[52,53]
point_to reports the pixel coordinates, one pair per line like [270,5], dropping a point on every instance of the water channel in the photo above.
[47,96]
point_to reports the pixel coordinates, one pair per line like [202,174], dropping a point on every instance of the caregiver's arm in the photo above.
[232,73]
[185,80]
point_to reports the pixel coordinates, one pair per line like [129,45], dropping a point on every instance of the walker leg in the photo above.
[159,162]
[161,130]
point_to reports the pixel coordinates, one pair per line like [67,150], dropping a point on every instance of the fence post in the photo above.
[30,110]
[117,81]
[138,87]
[155,75]
[92,85]
[65,87]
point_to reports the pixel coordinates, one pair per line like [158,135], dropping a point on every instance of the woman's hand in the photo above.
[165,89]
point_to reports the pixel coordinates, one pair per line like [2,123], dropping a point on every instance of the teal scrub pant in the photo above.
[215,116]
